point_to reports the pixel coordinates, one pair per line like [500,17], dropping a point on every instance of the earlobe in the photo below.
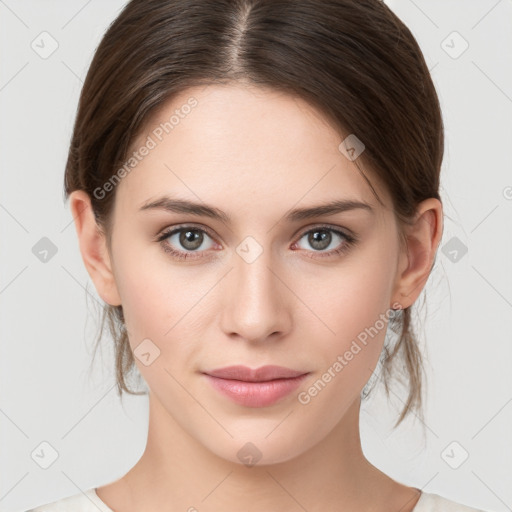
[92,243]
[423,238]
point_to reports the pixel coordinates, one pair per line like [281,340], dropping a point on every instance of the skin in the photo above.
[255,154]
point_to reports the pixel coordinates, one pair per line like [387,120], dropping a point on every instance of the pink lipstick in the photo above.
[260,387]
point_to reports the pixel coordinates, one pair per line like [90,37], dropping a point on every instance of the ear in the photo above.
[417,260]
[93,247]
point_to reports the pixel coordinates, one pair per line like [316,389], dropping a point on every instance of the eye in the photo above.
[323,237]
[183,241]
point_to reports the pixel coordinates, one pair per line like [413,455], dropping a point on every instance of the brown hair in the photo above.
[354,60]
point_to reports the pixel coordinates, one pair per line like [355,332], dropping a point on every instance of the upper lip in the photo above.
[262,374]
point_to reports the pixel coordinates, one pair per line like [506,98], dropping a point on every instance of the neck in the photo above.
[332,475]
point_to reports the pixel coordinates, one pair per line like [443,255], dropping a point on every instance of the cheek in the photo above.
[352,314]
[348,299]
[347,356]
[159,303]
[161,300]
[145,299]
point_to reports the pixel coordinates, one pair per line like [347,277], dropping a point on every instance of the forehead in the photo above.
[253,147]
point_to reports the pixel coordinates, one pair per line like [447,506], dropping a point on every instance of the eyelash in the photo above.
[349,241]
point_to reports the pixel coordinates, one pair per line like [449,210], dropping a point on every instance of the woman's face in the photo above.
[262,285]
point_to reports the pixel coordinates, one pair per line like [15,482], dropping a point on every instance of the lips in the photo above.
[262,374]
[260,387]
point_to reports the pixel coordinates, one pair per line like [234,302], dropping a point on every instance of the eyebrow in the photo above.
[203,210]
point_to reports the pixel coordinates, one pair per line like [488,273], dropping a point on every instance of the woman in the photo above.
[255,188]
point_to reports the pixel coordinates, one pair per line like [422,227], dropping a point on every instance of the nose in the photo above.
[256,303]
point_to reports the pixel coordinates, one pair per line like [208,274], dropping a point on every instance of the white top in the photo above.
[89,501]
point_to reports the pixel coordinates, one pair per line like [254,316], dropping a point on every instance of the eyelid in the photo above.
[343,231]
[170,229]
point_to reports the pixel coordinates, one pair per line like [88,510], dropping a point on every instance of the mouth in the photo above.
[260,387]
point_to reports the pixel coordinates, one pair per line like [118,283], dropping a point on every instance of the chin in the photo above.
[253,449]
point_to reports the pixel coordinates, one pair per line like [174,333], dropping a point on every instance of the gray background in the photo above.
[48,327]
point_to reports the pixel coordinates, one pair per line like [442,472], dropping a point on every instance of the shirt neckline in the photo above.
[99,501]
[421,499]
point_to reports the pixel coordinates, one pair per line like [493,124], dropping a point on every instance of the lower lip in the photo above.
[256,394]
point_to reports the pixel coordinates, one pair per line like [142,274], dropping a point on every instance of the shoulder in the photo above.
[430,502]
[88,501]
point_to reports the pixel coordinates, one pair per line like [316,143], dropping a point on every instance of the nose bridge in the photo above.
[254,306]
